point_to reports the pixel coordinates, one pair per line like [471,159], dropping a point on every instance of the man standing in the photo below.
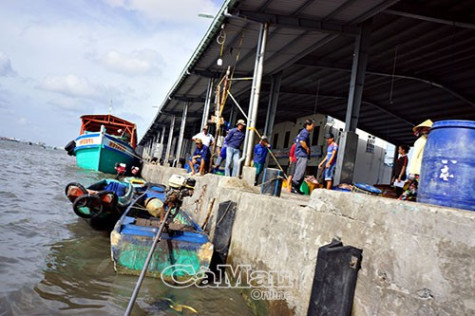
[291,169]
[233,142]
[302,152]
[200,158]
[206,138]
[260,155]
[330,159]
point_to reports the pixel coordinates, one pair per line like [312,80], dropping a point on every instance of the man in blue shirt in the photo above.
[302,152]
[260,155]
[329,162]
[200,157]
[233,142]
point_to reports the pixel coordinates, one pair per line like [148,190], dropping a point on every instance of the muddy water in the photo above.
[53,263]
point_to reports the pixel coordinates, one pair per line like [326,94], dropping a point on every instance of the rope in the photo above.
[269,181]
[222,97]
[271,153]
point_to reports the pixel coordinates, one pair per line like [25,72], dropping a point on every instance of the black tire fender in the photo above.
[91,201]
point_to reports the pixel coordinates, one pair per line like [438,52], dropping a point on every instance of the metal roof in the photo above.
[421,62]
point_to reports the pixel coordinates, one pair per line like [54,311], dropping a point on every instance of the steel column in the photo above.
[160,145]
[346,158]
[209,94]
[182,133]
[256,90]
[169,143]
[358,71]
[272,107]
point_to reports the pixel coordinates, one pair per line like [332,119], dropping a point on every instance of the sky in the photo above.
[60,59]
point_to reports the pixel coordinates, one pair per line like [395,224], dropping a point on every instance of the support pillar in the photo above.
[255,92]
[272,107]
[358,72]
[173,150]
[149,151]
[209,94]
[160,145]
[181,135]
[169,143]
[345,164]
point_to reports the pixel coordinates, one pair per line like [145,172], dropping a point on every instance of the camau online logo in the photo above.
[266,285]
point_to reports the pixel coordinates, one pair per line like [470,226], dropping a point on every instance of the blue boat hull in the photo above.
[183,253]
[101,152]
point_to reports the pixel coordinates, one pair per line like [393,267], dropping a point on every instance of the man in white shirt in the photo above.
[206,138]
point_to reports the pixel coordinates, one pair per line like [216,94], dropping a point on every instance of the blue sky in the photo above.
[60,59]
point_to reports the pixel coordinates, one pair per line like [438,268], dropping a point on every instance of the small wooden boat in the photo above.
[103,142]
[102,203]
[183,252]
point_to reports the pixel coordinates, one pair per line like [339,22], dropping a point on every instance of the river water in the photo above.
[53,263]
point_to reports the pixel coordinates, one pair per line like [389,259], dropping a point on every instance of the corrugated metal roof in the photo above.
[421,62]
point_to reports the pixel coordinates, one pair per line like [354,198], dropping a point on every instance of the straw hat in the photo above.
[426,123]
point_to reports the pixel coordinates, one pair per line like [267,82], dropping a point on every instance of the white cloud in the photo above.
[70,85]
[5,65]
[179,11]
[68,55]
[137,63]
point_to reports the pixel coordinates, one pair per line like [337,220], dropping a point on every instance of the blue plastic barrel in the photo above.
[272,182]
[448,165]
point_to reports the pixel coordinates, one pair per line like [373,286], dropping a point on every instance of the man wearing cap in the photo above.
[200,157]
[260,155]
[329,162]
[233,142]
[302,152]
[206,138]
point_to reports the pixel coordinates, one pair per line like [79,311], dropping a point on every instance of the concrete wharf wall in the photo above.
[418,259]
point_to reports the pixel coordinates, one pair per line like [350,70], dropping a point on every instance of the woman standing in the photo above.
[414,170]
[399,174]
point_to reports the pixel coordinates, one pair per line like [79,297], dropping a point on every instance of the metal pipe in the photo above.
[237,105]
[162,139]
[431,19]
[182,133]
[170,137]
[145,266]
[256,89]
[209,94]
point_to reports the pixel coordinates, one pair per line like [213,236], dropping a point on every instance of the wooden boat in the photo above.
[102,203]
[104,142]
[183,252]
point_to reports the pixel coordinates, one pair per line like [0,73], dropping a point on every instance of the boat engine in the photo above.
[179,187]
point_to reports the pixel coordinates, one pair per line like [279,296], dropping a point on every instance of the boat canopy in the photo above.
[114,126]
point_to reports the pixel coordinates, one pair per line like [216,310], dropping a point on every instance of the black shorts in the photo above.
[291,169]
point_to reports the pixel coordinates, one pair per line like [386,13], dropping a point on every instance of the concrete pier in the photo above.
[417,258]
